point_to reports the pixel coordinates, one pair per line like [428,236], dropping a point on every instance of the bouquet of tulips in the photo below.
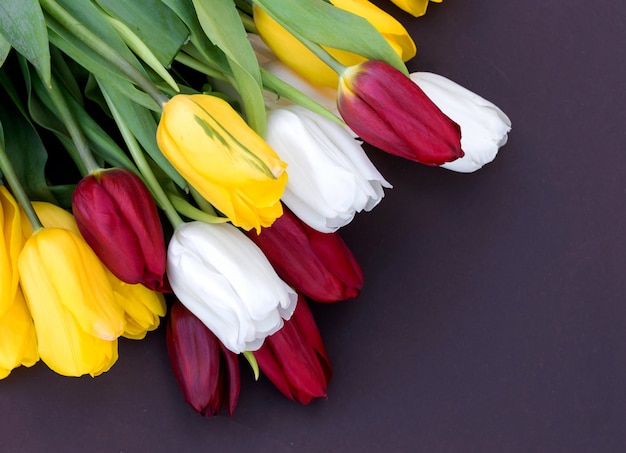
[194,160]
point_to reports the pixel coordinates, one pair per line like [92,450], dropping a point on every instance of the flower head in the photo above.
[295,359]
[227,282]
[206,372]
[386,109]
[484,127]
[223,159]
[118,218]
[331,177]
[18,340]
[318,265]
[415,7]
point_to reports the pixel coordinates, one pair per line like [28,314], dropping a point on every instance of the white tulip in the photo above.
[223,278]
[484,127]
[330,176]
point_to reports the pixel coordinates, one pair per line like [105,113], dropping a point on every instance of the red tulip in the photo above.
[295,359]
[118,218]
[207,372]
[386,109]
[318,265]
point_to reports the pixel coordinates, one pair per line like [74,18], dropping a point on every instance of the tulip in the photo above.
[223,159]
[297,56]
[118,218]
[386,109]
[295,359]
[206,372]
[143,307]
[71,301]
[227,282]
[18,340]
[11,242]
[415,7]
[317,265]
[331,177]
[484,127]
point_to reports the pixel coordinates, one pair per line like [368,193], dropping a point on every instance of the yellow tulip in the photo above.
[414,7]
[76,315]
[222,158]
[295,55]
[143,307]
[10,245]
[18,340]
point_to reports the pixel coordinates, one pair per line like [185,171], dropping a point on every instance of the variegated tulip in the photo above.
[221,157]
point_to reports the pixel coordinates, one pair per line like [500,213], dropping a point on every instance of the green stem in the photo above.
[202,203]
[190,211]
[323,55]
[79,140]
[144,168]
[248,22]
[103,49]
[18,190]
[249,355]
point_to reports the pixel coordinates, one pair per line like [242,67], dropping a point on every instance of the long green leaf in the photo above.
[152,21]
[5,48]
[221,23]
[324,24]
[22,24]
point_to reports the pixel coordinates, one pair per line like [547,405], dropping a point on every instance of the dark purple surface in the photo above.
[493,317]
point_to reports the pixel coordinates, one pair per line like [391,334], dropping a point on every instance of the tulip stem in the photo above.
[201,67]
[144,167]
[190,211]
[78,138]
[103,49]
[249,355]
[16,187]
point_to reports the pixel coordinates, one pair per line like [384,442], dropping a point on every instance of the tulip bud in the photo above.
[74,310]
[317,265]
[484,127]
[415,7]
[386,109]
[295,359]
[330,176]
[206,372]
[221,157]
[118,218]
[227,282]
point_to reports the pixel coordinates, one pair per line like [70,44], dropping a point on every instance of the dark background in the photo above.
[493,315]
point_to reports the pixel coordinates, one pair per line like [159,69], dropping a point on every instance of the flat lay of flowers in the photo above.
[188,165]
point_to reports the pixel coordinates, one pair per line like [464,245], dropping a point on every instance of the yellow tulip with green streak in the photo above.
[223,159]
[295,55]
[18,340]
[10,245]
[414,7]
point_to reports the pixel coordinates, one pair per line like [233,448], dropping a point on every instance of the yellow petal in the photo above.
[57,268]
[415,7]
[11,242]
[18,341]
[143,307]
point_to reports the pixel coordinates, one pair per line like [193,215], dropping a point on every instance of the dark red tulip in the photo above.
[318,265]
[207,372]
[295,359]
[386,109]
[118,218]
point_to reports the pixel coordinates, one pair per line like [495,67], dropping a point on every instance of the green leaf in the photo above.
[22,24]
[221,23]
[324,24]
[153,22]
[5,48]
[24,146]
